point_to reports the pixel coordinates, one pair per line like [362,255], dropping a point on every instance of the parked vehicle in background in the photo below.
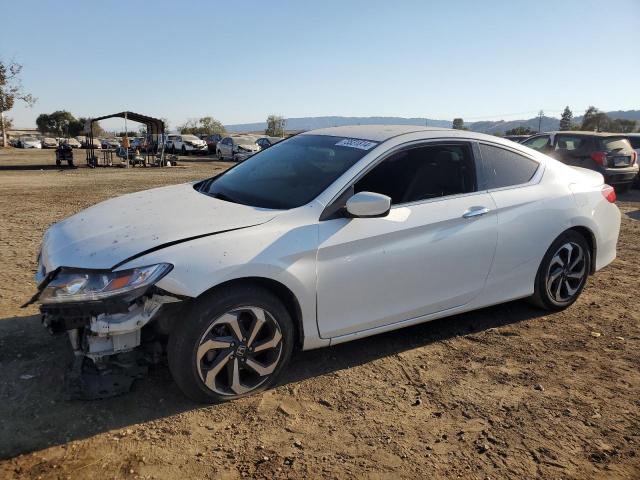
[110,143]
[95,141]
[266,142]
[607,153]
[49,142]
[212,142]
[168,144]
[330,236]
[138,143]
[517,138]
[72,142]
[634,140]
[82,140]
[29,142]
[237,148]
[186,144]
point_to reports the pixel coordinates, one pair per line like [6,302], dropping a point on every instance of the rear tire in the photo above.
[213,355]
[563,272]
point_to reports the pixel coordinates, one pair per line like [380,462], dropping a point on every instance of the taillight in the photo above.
[599,157]
[609,193]
[634,157]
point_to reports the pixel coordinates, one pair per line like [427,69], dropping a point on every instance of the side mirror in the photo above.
[368,205]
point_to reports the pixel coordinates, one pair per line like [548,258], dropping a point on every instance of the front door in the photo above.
[433,251]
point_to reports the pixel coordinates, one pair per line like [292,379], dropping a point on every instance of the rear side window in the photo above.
[570,143]
[504,168]
[615,144]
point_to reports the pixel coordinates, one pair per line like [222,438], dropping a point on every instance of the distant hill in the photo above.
[310,123]
[499,126]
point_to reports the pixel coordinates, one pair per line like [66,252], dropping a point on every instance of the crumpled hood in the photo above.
[110,232]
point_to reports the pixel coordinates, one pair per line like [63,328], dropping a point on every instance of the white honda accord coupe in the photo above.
[326,237]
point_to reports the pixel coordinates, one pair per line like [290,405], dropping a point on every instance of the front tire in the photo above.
[563,272]
[235,343]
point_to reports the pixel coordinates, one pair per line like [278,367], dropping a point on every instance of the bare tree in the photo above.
[11,90]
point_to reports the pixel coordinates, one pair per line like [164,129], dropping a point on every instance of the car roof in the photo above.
[376,133]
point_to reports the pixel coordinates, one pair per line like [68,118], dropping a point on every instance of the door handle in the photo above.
[475,212]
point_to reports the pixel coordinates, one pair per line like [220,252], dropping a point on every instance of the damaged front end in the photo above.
[116,323]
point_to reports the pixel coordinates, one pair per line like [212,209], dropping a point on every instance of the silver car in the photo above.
[237,148]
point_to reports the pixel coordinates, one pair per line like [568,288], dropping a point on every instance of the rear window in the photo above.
[613,144]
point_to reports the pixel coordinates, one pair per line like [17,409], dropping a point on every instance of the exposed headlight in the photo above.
[71,285]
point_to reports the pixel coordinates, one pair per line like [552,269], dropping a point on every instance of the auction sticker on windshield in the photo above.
[356,143]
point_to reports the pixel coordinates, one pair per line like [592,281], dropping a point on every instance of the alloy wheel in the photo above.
[566,273]
[239,351]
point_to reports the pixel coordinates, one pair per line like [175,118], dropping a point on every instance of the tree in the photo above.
[595,120]
[189,127]
[96,129]
[56,123]
[165,120]
[202,126]
[458,124]
[621,125]
[11,90]
[211,126]
[566,119]
[275,126]
[521,130]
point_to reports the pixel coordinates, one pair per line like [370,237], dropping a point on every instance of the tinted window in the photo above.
[571,142]
[614,144]
[288,174]
[504,167]
[635,142]
[537,143]
[422,173]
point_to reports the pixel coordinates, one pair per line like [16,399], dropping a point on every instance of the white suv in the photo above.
[186,144]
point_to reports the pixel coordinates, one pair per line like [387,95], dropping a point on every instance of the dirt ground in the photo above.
[505,392]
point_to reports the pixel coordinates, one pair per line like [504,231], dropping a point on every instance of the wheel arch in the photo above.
[591,240]
[281,291]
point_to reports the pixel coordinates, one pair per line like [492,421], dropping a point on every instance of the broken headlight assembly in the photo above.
[71,285]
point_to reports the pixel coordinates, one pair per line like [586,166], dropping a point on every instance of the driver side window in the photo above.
[422,173]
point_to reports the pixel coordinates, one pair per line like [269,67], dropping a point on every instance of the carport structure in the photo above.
[155,131]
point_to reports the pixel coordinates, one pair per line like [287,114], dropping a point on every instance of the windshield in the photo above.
[289,174]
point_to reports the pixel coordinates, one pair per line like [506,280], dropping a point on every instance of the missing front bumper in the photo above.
[113,344]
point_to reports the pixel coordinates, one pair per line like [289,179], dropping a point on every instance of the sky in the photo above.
[241,61]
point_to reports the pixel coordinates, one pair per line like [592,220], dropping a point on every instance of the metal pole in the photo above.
[126,134]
